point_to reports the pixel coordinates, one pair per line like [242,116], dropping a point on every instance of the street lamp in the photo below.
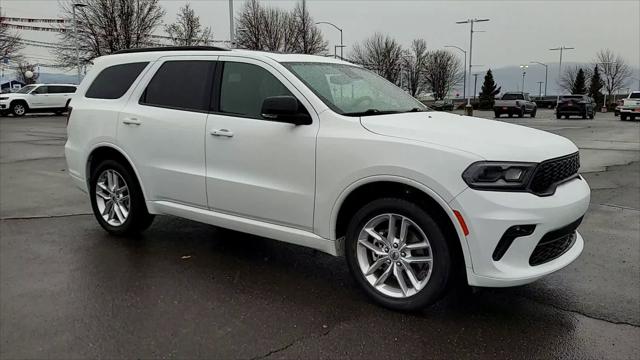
[469,109]
[475,83]
[524,72]
[339,29]
[232,37]
[464,80]
[75,35]
[561,49]
[546,72]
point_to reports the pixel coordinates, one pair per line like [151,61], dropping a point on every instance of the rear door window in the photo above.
[114,81]
[182,85]
[41,90]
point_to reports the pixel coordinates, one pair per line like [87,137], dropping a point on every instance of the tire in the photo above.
[19,108]
[496,115]
[558,116]
[533,113]
[521,113]
[623,117]
[138,218]
[584,115]
[592,115]
[433,277]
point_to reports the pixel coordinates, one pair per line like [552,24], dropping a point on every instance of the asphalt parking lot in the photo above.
[187,290]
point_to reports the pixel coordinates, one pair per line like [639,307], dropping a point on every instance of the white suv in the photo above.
[37,98]
[325,154]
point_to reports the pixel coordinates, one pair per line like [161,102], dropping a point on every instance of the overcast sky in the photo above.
[519,31]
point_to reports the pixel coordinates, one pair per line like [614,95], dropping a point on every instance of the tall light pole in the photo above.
[540,88]
[464,80]
[524,72]
[561,49]
[546,72]
[75,36]
[475,83]
[469,109]
[232,38]
[341,46]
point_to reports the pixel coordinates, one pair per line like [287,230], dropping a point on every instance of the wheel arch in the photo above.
[369,189]
[105,151]
[23,101]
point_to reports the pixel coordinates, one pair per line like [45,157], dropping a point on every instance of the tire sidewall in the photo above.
[137,209]
[13,108]
[442,262]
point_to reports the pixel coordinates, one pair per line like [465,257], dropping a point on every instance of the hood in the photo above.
[488,139]
[12,95]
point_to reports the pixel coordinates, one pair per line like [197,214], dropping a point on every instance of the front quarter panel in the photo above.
[348,154]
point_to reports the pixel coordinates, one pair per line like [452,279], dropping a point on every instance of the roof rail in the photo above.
[171,48]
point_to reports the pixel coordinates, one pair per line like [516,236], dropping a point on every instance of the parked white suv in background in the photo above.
[322,153]
[37,98]
[630,107]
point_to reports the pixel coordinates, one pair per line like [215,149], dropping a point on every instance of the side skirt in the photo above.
[237,223]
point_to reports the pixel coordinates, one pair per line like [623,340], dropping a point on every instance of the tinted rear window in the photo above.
[184,85]
[635,95]
[575,97]
[114,81]
[512,97]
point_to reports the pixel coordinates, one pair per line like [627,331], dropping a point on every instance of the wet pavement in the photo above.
[187,290]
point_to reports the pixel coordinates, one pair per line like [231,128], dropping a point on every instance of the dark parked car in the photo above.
[578,105]
[442,105]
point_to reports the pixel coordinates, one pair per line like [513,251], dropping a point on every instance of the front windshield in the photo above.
[353,91]
[26,89]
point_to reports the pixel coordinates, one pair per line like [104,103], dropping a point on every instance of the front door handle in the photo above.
[222,132]
[132,121]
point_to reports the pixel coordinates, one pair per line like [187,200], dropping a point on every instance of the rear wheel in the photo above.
[533,113]
[18,108]
[117,200]
[398,254]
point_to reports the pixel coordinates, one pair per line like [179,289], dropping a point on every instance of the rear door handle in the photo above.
[132,121]
[221,132]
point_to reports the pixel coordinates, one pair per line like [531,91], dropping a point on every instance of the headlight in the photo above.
[494,175]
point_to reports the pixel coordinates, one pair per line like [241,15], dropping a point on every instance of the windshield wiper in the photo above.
[415,109]
[371,112]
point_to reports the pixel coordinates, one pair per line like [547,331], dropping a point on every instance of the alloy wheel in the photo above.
[394,255]
[112,197]
[19,109]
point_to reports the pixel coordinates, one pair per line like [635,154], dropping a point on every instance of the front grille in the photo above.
[554,244]
[552,172]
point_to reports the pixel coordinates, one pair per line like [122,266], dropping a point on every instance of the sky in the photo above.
[518,31]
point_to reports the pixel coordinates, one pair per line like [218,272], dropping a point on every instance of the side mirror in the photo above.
[285,109]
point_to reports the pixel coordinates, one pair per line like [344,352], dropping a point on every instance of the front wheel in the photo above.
[117,200]
[18,109]
[398,254]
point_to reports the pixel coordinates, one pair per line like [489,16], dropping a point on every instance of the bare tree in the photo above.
[442,72]
[9,41]
[568,79]
[275,29]
[21,70]
[249,24]
[414,62]
[308,37]
[381,54]
[187,30]
[106,26]
[614,70]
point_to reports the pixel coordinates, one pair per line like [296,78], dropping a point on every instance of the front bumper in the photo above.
[630,110]
[488,215]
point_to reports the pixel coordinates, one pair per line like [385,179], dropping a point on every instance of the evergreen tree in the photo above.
[579,85]
[595,87]
[488,91]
